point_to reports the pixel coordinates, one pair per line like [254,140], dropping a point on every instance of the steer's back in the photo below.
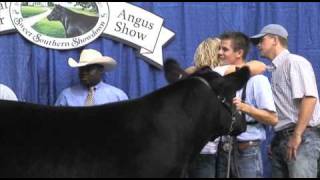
[114,140]
[46,141]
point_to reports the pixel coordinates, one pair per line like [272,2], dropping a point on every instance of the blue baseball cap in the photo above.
[274,29]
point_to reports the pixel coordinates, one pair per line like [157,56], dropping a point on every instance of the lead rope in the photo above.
[229,138]
[229,156]
[230,142]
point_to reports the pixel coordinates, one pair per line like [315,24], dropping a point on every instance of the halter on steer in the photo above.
[232,109]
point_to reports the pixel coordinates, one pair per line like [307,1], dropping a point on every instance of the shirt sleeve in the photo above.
[221,69]
[302,79]
[61,101]
[263,93]
[7,94]
[122,95]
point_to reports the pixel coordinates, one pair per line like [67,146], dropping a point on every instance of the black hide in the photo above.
[153,136]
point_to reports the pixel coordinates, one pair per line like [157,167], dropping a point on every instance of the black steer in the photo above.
[74,24]
[153,136]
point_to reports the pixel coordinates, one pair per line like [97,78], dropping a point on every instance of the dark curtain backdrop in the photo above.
[38,74]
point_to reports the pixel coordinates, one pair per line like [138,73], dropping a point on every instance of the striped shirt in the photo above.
[292,79]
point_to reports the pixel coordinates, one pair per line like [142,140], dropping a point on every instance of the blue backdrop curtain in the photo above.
[38,74]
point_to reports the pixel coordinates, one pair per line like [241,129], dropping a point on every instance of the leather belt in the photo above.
[242,145]
[289,131]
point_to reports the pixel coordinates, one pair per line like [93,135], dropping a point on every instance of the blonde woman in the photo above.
[207,54]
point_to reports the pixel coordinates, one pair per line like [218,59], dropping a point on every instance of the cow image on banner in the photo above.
[70,25]
[75,24]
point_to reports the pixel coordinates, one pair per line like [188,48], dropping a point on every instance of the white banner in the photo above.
[5,21]
[69,25]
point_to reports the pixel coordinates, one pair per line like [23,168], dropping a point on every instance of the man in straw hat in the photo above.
[91,90]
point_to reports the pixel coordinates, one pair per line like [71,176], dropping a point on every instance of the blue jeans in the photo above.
[245,163]
[204,166]
[306,163]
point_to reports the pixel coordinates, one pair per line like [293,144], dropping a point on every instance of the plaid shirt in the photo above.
[292,79]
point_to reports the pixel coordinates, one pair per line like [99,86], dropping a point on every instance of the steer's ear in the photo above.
[173,71]
[238,79]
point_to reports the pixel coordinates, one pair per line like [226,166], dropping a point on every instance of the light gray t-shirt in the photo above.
[259,95]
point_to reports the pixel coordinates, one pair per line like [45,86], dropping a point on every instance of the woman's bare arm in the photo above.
[256,67]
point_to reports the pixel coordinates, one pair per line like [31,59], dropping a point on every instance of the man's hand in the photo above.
[292,146]
[240,106]
[306,109]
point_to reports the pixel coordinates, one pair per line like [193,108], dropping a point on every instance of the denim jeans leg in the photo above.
[306,163]
[204,166]
[222,162]
[244,163]
[249,162]
[278,163]
[318,176]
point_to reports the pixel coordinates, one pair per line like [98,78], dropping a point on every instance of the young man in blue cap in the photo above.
[296,144]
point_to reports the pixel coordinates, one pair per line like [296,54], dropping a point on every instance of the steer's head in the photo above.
[223,87]
[56,13]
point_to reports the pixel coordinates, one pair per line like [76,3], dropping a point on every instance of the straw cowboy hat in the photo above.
[91,56]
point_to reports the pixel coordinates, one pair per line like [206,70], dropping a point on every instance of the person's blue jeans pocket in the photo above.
[305,164]
[249,162]
[204,166]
